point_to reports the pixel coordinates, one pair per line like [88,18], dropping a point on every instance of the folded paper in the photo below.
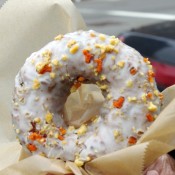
[83,105]
[27,26]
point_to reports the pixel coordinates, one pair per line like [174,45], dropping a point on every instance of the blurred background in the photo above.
[146,25]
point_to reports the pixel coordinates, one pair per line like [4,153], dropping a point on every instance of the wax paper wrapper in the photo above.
[83,104]
[26,26]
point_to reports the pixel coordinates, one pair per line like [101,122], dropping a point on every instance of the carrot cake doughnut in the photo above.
[49,75]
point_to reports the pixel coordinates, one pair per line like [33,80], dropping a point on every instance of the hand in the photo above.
[164,165]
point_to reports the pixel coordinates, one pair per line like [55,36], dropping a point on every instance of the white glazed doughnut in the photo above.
[43,84]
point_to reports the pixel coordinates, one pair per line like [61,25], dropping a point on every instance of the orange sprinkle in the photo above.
[149,95]
[34,136]
[99,65]
[77,85]
[45,69]
[62,131]
[133,71]
[81,79]
[150,79]
[146,60]
[151,75]
[60,137]
[132,140]
[160,96]
[92,35]
[31,147]
[119,102]
[149,117]
[88,56]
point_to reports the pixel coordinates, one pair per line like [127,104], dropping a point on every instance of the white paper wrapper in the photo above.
[27,26]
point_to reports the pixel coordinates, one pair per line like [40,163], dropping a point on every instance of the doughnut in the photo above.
[125,78]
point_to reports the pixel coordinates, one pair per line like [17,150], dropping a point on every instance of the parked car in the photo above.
[160,50]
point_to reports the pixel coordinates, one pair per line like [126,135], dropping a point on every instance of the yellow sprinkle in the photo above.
[89,49]
[109,96]
[144,97]
[96,73]
[56,135]
[47,60]
[116,133]
[156,92]
[116,51]
[59,37]
[37,120]
[96,120]
[114,67]
[113,58]
[133,129]
[129,83]
[78,162]
[17,131]
[132,99]
[40,66]
[71,128]
[52,75]
[64,142]
[109,48]
[50,133]
[155,116]
[64,57]
[103,87]
[82,130]
[42,140]
[74,49]
[101,47]
[73,89]
[114,41]
[55,62]
[16,104]
[88,158]
[36,84]
[98,45]
[152,107]
[62,77]
[42,154]
[47,54]
[46,127]
[49,117]
[102,37]
[121,64]
[91,67]
[150,67]
[71,43]
[102,77]
[67,75]
[141,73]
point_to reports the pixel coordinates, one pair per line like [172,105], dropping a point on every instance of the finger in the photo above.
[152,172]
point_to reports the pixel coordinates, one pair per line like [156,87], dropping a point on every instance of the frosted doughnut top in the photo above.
[49,75]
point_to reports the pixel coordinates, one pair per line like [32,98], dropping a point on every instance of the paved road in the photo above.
[114,16]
